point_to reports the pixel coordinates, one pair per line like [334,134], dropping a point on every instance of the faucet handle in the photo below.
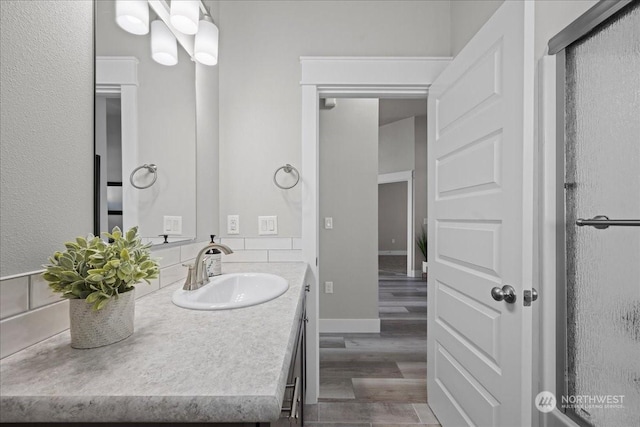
[189,284]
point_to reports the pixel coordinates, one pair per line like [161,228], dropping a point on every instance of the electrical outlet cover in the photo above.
[233,224]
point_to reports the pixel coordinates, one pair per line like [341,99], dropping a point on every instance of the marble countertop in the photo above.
[178,366]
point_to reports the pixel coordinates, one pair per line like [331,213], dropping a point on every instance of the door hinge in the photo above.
[316,261]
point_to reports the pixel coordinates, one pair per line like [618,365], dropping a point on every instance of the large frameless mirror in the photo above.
[145,126]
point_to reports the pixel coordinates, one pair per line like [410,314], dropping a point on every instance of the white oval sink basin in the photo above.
[232,291]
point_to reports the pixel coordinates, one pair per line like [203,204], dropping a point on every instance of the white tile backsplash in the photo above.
[168,256]
[172,274]
[235,243]
[31,312]
[267,243]
[191,251]
[285,255]
[246,256]
[41,294]
[14,296]
[28,328]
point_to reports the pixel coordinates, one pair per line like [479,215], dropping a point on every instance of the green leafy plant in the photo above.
[97,271]
[421,242]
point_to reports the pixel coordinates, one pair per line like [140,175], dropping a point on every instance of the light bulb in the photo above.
[164,47]
[185,15]
[206,42]
[133,16]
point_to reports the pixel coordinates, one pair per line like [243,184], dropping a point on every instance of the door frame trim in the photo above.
[340,77]
[405,176]
[118,75]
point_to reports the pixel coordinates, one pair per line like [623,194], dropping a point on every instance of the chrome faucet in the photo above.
[198,276]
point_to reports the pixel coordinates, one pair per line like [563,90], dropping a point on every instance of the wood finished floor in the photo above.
[378,380]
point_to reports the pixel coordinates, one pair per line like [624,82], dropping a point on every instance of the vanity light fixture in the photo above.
[182,16]
[133,16]
[185,15]
[164,47]
[206,42]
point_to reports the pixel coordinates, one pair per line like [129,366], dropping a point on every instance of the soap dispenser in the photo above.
[214,260]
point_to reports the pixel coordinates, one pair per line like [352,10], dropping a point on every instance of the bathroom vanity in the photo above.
[232,367]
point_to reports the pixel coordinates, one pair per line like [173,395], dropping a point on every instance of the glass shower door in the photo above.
[602,155]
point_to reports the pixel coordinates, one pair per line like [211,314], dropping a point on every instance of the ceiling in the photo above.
[392,110]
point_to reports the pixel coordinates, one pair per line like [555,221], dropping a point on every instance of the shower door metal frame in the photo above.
[582,27]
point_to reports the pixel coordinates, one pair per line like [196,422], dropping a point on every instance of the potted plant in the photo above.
[98,278]
[421,241]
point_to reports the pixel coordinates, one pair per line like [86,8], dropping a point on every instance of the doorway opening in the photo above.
[343,77]
[383,363]
[396,210]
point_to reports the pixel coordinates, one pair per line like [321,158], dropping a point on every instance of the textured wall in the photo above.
[260,119]
[46,137]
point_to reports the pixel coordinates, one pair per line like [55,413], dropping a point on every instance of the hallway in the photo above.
[378,380]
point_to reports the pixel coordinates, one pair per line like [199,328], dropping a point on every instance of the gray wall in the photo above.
[467,17]
[349,194]
[392,216]
[46,137]
[261,43]
[396,145]
[551,16]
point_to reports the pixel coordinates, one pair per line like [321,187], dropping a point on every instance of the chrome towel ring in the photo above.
[288,169]
[151,168]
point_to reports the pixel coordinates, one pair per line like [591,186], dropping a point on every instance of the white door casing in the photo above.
[353,77]
[480,201]
[405,176]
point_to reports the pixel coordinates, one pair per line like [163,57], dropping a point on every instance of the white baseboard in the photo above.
[392,253]
[349,326]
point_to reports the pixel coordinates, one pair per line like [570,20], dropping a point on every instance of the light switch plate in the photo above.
[233,224]
[267,225]
[328,223]
[328,287]
[172,225]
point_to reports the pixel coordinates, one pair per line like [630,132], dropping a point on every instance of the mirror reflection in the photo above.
[145,134]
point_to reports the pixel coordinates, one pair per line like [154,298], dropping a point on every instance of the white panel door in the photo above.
[481,226]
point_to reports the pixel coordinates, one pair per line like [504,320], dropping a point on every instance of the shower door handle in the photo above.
[601,222]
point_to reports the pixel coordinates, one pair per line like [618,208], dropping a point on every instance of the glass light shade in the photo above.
[185,15]
[164,47]
[206,43]
[133,16]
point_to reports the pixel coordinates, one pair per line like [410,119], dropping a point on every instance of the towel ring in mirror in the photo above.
[151,168]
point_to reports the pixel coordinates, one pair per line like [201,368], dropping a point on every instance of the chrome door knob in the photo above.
[507,293]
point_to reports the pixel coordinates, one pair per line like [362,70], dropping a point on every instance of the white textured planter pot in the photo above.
[113,323]
[424,266]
